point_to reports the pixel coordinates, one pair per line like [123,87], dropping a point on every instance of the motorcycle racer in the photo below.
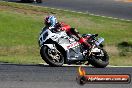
[51,23]
[58,46]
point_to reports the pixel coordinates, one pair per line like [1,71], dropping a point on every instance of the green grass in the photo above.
[20,25]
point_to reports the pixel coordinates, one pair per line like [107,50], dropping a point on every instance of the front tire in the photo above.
[99,62]
[58,61]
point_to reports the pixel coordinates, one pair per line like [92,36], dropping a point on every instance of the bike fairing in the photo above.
[72,48]
[59,47]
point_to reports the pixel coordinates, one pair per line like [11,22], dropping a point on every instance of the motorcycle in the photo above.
[57,48]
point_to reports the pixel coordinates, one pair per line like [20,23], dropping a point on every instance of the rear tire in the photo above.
[97,63]
[48,59]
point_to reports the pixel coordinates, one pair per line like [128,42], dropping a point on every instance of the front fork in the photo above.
[90,51]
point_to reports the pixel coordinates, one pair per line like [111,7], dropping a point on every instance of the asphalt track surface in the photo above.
[36,76]
[110,8]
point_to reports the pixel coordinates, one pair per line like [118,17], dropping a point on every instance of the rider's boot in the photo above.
[80,38]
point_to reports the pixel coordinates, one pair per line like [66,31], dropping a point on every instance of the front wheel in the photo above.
[100,59]
[53,57]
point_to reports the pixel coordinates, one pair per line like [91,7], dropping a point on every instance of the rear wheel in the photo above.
[53,57]
[99,60]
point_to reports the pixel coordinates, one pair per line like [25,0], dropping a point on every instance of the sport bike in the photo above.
[58,48]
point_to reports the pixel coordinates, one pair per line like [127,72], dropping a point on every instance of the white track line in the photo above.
[83,13]
[89,14]
[78,12]
[117,66]
[66,65]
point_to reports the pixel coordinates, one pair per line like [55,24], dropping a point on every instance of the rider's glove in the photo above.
[51,28]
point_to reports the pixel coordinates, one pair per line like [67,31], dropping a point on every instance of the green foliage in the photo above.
[125,48]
